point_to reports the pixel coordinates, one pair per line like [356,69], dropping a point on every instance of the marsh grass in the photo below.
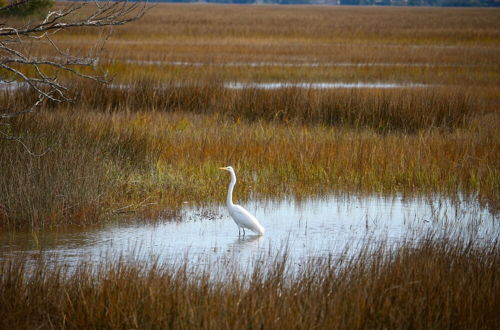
[98,163]
[425,284]
[406,110]
[402,110]
[456,47]
[153,138]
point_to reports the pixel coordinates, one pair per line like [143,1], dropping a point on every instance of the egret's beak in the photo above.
[223,168]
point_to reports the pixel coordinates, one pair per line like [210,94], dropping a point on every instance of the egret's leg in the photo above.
[243,232]
[239,231]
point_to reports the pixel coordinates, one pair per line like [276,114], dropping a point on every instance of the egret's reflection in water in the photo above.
[310,228]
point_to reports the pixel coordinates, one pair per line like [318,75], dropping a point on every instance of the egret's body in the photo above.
[241,217]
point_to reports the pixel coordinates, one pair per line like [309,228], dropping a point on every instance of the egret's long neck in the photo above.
[230,190]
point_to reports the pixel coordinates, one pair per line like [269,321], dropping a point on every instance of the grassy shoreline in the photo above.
[426,284]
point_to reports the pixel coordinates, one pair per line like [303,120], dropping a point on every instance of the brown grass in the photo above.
[404,110]
[434,284]
[96,163]
[460,46]
[160,136]
[158,142]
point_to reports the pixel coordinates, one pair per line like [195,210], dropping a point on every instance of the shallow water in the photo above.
[321,85]
[300,85]
[310,228]
[13,86]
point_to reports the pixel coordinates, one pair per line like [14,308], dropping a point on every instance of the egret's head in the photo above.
[227,168]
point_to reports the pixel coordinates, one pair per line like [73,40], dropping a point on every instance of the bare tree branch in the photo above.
[20,67]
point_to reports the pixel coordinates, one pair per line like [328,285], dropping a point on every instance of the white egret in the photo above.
[242,217]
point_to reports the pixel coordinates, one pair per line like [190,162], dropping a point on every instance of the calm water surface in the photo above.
[310,228]
[321,85]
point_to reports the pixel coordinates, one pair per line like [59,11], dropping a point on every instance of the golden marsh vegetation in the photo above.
[421,285]
[153,139]
[167,121]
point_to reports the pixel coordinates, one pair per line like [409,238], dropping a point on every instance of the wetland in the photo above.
[368,151]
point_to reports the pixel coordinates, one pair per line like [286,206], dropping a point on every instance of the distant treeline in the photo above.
[441,3]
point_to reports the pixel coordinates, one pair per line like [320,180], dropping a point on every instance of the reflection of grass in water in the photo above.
[426,284]
[100,162]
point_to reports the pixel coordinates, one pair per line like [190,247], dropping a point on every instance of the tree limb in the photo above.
[19,67]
